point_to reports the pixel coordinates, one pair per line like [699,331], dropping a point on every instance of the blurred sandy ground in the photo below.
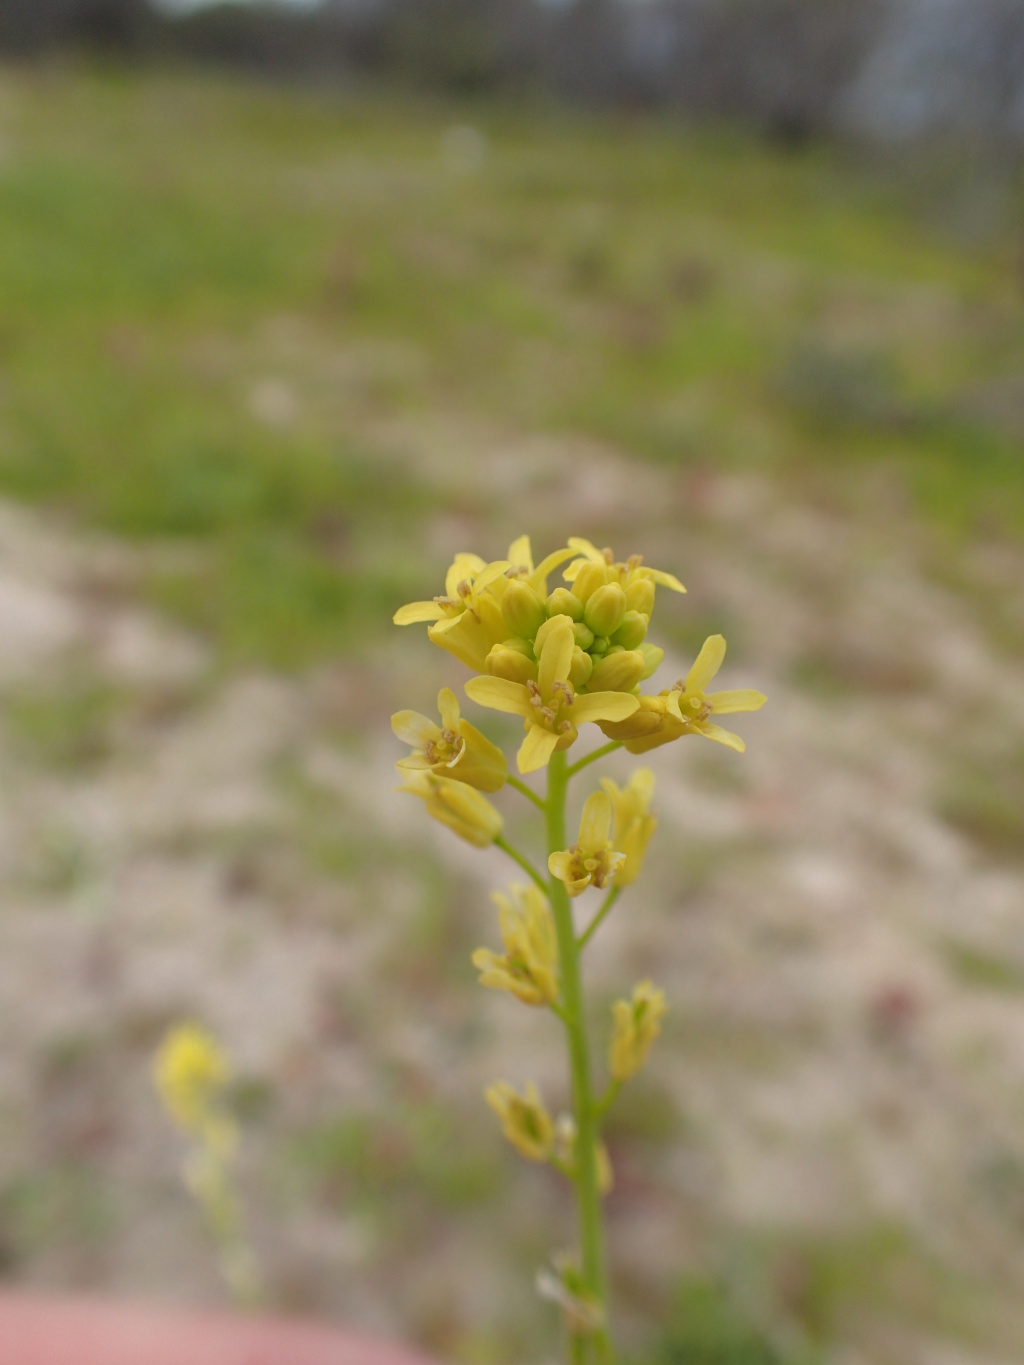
[833,1115]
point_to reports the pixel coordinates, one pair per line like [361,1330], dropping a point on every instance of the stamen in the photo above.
[465,588]
[445,602]
[564,726]
[548,714]
[634,561]
[609,556]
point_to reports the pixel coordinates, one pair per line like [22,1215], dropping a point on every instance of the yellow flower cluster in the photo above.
[557,659]
[528,969]
[637,1022]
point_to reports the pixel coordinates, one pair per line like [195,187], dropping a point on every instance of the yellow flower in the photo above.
[460,807]
[529,966]
[637,1024]
[455,748]
[687,709]
[524,1120]
[550,707]
[190,1072]
[634,824]
[591,861]
[466,618]
[625,574]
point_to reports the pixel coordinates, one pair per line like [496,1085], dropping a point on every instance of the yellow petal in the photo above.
[556,655]
[536,748]
[445,624]
[489,573]
[539,576]
[741,699]
[595,822]
[667,580]
[604,706]
[463,568]
[412,728]
[500,695]
[720,736]
[448,705]
[709,661]
[586,548]
[520,555]
[413,612]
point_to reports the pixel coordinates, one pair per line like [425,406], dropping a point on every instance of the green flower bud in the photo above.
[584,635]
[589,579]
[581,668]
[522,609]
[562,602]
[653,656]
[619,672]
[633,631]
[640,596]
[605,609]
[600,645]
[505,662]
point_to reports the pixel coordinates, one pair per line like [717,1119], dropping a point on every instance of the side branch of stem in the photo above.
[524,862]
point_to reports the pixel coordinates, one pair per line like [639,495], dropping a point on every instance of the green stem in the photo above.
[608,1099]
[530,795]
[609,900]
[608,748]
[588,1197]
[524,862]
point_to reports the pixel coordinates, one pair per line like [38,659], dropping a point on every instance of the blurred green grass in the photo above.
[697,297]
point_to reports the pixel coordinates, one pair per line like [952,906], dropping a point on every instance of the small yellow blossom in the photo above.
[190,1072]
[626,574]
[634,824]
[524,1119]
[591,861]
[550,707]
[455,748]
[529,966]
[686,708]
[466,618]
[565,1154]
[637,1024]
[462,808]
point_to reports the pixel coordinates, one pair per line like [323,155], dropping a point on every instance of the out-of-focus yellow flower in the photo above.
[529,966]
[462,808]
[592,861]
[634,824]
[190,1072]
[550,707]
[455,748]
[524,1119]
[637,1022]
[565,1154]
[626,574]
[687,708]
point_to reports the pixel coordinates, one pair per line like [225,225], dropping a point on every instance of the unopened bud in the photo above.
[619,672]
[633,631]
[503,661]
[640,596]
[653,655]
[581,668]
[605,609]
[562,602]
[600,646]
[588,580]
[584,635]
[522,609]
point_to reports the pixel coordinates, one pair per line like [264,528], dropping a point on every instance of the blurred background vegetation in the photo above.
[293,305]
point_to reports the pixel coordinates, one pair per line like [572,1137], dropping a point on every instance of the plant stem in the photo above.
[608,748]
[530,795]
[524,862]
[588,1198]
[609,900]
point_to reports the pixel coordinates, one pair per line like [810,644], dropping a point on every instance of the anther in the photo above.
[634,561]
[464,589]
[609,555]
